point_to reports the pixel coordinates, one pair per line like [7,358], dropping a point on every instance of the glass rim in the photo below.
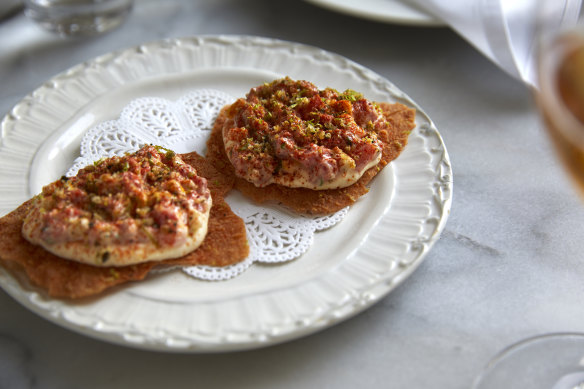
[500,356]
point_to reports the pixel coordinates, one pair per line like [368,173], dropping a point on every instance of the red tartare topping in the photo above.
[138,198]
[292,123]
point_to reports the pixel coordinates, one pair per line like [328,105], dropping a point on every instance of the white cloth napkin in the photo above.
[503,30]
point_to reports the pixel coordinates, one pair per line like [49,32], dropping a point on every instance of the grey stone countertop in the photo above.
[508,265]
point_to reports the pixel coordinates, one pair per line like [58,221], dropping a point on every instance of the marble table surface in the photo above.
[508,265]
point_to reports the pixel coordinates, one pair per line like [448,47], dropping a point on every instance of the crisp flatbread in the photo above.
[63,278]
[318,202]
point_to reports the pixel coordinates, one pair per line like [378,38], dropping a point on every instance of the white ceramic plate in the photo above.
[388,11]
[382,240]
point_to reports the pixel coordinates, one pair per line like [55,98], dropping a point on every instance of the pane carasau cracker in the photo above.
[318,202]
[63,278]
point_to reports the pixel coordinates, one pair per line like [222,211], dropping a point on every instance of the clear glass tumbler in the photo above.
[78,17]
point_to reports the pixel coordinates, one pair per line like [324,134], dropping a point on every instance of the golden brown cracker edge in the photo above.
[67,279]
[317,202]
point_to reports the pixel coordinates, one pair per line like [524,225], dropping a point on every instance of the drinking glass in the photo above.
[552,361]
[78,17]
[560,96]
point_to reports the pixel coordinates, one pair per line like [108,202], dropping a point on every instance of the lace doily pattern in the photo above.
[274,235]
[182,126]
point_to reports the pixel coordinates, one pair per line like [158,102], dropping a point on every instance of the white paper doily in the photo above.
[274,235]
